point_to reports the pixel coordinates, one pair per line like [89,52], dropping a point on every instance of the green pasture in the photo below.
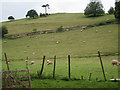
[53,21]
[74,43]
[79,67]
[82,46]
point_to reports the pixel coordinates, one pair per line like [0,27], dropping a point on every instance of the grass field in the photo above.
[53,22]
[82,46]
[71,42]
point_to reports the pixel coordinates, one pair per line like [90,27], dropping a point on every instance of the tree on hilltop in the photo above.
[94,8]
[111,10]
[11,18]
[32,13]
[45,6]
[117,9]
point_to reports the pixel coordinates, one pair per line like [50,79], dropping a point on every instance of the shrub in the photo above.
[3,30]
[59,29]
[34,30]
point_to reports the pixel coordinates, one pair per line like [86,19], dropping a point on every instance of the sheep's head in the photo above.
[48,61]
[26,61]
[32,62]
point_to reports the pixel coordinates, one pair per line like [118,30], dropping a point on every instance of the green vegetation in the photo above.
[94,8]
[81,45]
[11,18]
[111,10]
[45,6]
[71,42]
[32,13]
[117,9]
[53,21]
[4,30]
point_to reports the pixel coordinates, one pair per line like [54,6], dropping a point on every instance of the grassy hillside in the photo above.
[71,42]
[75,43]
[53,22]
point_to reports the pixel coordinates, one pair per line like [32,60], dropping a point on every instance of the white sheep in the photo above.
[114,62]
[4,41]
[26,61]
[81,30]
[84,41]
[49,62]
[32,62]
[33,53]
[25,51]
[57,42]
[96,31]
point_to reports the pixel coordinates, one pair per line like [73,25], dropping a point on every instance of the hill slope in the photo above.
[75,43]
[53,22]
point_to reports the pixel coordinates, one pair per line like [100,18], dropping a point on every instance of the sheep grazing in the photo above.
[4,41]
[84,41]
[96,31]
[49,62]
[114,62]
[33,53]
[81,30]
[57,42]
[26,61]
[32,62]
[67,29]
[25,51]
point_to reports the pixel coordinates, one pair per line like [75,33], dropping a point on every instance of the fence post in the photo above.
[90,76]
[54,67]
[102,65]
[42,66]
[69,66]
[9,73]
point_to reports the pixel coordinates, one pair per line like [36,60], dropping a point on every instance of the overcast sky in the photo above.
[19,8]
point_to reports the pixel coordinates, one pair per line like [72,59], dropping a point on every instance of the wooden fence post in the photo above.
[9,73]
[54,67]
[102,65]
[42,66]
[69,66]
[90,76]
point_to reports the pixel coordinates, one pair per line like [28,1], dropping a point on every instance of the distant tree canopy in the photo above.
[94,8]
[111,10]
[117,10]
[3,30]
[32,13]
[45,6]
[11,18]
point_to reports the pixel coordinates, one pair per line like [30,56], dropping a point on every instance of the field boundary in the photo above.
[65,29]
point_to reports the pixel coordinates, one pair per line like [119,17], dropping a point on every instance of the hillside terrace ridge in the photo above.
[65,29]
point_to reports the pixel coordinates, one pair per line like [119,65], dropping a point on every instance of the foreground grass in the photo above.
[79,67]
[52,22]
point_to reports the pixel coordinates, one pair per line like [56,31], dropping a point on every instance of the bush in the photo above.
[3,30]
[60,29]
[34,30]
[44,15]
